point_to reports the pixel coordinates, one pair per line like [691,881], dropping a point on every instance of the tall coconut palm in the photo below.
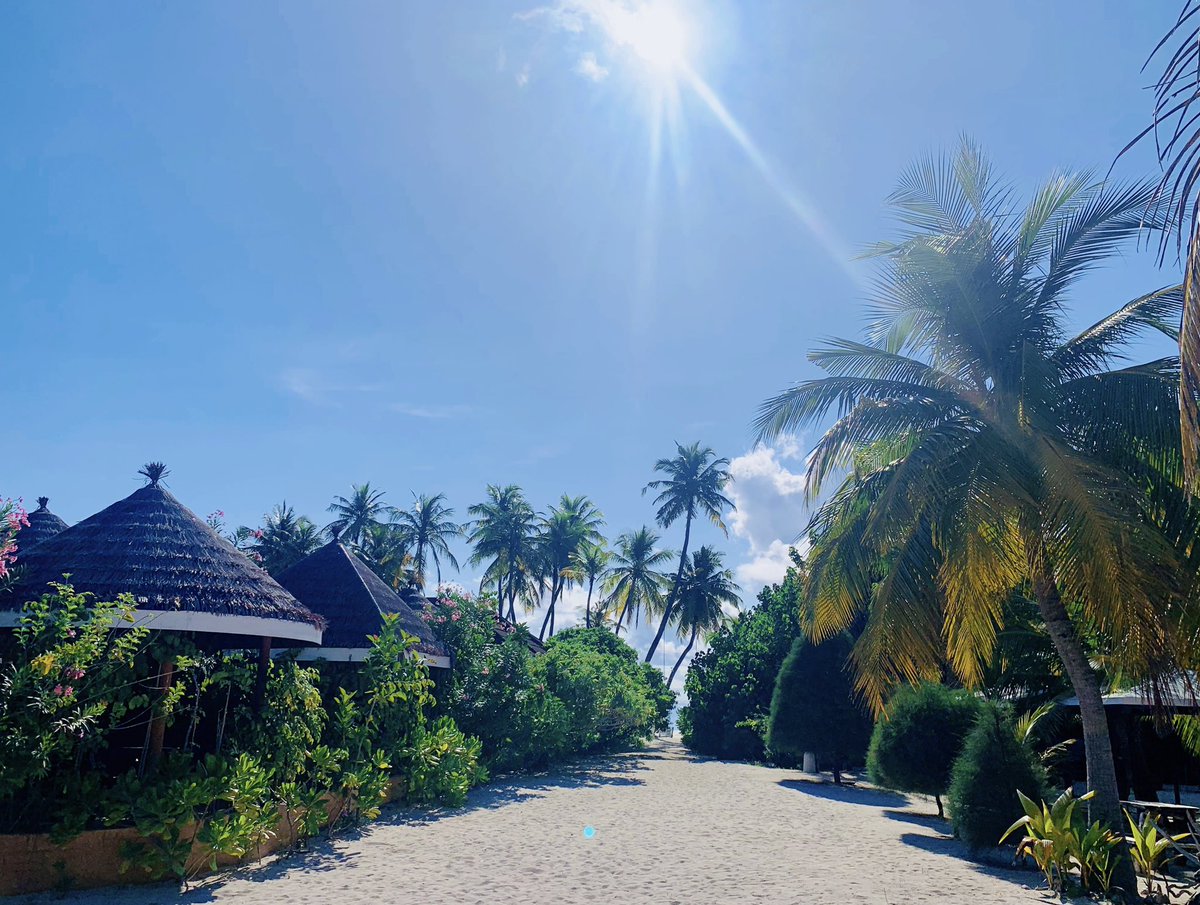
[706,589]
[384,548]
[573,522]
[284,539]
[634,581]
[989,450]
[355,515]
[590,563]
[692,487]
[428,528]
[501,534]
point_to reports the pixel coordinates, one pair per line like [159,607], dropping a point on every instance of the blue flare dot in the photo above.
[589,832]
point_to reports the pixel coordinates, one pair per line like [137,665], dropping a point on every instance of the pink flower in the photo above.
[258,533]
[68,691]
[456,617]
[58,690]
[486,671]
[70,633]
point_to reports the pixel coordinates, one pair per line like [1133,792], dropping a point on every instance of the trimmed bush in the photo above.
[815,707]
[993,766]
[915,744]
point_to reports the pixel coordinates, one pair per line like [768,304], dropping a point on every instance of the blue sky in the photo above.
[285,248]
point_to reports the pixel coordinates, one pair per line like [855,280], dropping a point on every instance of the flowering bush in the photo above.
[12,519]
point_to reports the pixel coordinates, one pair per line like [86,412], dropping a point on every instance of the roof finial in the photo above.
[336,531]
[153,472]
[42,501]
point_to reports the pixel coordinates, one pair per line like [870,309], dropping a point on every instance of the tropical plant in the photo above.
[1150,848]
[442,764]
[1060,842]
[692,487]
[815,707]
[384,548]
[502,535]
[707,589]
[575,521]
[428,528]
[993,766]
[634,582]
[284,539]
[1176,203]
[918,738]
[729,686]
[590,563]
[357,514]
[989,452]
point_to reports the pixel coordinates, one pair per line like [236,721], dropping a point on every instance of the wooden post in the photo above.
[158,719]
[260,686]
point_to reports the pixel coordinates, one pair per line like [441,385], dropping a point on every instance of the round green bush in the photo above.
[916,742]
[815,707]
[993,766]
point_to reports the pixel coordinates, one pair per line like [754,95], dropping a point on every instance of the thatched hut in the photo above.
[339,586]
[43,525]
[182,574]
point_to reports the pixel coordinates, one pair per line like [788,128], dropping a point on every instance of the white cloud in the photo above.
[771,511]
[590,68]
[522,77]
[430,411]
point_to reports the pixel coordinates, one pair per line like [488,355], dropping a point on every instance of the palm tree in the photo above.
[590,563]
[284,539]
[502,535]
[1176,204]
[706,587]
[695,479]
[573,522]
[355,515]
[384,548]
[634,581]
[428,528]
[988,451]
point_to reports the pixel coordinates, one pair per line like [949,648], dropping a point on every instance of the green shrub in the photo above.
[442,764]
[992,768]
[916,742]
[815,707]
[729,686]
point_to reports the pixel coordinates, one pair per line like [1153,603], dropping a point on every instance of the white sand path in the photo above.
[669,828]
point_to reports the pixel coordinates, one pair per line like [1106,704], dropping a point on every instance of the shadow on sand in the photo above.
[929,821]
[876,798]
[996,863]
[504,790]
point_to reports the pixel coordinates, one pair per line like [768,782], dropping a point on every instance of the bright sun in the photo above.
[655,31]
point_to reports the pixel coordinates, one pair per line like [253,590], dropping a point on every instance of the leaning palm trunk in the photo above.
[1101,769]
[683,656]
[674,592]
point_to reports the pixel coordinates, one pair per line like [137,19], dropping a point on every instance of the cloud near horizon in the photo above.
[771,511]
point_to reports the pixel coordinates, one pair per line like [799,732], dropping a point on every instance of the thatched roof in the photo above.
[43,524]
[338,585]
[183,575]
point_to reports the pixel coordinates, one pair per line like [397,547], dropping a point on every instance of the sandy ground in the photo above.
[668,828]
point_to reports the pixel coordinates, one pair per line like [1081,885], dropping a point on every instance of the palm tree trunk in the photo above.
[662,626]
[549,620]
[1101,769]
[587,607]
[686,650]
[621,616]
[500,597]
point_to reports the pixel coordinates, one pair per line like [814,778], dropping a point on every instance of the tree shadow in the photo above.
[996,863]
[877,798]
[929,821]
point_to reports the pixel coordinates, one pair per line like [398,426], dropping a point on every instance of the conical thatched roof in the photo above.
[43,524]
[339,586]
[183,575]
